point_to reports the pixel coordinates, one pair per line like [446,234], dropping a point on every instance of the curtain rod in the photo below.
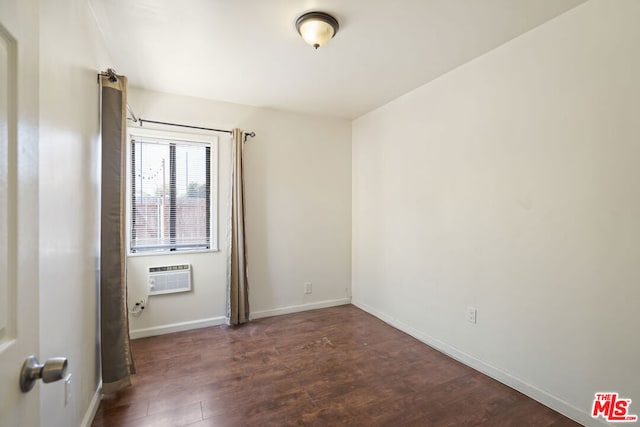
[142,121]
[111,74]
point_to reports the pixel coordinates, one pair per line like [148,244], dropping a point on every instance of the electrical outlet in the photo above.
[67,389]
[308,288]
[472,314]
[137,308]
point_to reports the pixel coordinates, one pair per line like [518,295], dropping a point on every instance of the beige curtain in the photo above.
[117,360]
[238,292]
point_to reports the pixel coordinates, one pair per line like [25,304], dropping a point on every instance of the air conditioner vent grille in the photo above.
[169,279]
[169,268]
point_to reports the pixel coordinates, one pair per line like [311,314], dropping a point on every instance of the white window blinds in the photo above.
[171,195]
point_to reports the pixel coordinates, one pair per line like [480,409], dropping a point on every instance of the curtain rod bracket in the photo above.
[134,119]
[110,74]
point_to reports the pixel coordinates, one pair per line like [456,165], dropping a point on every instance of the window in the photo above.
[172,193]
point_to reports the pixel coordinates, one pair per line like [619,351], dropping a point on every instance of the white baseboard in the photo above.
[301,307]
[546,398]
[176,327]
[215,321]
[93,407]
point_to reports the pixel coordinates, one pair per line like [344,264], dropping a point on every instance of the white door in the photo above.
[18,207]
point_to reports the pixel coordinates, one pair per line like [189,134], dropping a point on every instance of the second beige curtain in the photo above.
[238,292]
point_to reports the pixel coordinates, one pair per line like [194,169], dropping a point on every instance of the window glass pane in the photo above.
[192,195]
[160,186]
[150,190]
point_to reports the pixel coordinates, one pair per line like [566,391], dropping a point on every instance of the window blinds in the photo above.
[171,192]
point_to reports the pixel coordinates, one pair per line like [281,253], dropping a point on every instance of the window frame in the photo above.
[167,137]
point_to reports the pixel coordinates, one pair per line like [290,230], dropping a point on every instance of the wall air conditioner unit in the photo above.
[169,279]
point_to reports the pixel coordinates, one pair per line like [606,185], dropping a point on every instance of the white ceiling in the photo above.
[248,51]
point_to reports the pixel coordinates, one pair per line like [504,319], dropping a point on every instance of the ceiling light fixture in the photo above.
[317,28]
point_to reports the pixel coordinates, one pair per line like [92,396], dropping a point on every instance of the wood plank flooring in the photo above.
[334,366]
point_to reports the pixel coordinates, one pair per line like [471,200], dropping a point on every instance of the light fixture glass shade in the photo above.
[317,28]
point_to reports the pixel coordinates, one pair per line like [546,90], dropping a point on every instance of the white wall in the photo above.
[298,215]
[71,53]
[511,184]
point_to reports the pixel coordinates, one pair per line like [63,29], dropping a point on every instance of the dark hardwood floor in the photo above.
[334,366]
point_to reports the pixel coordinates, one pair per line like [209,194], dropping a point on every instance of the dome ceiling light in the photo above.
[317,28]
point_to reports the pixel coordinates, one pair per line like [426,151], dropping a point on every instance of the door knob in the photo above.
[53,369]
